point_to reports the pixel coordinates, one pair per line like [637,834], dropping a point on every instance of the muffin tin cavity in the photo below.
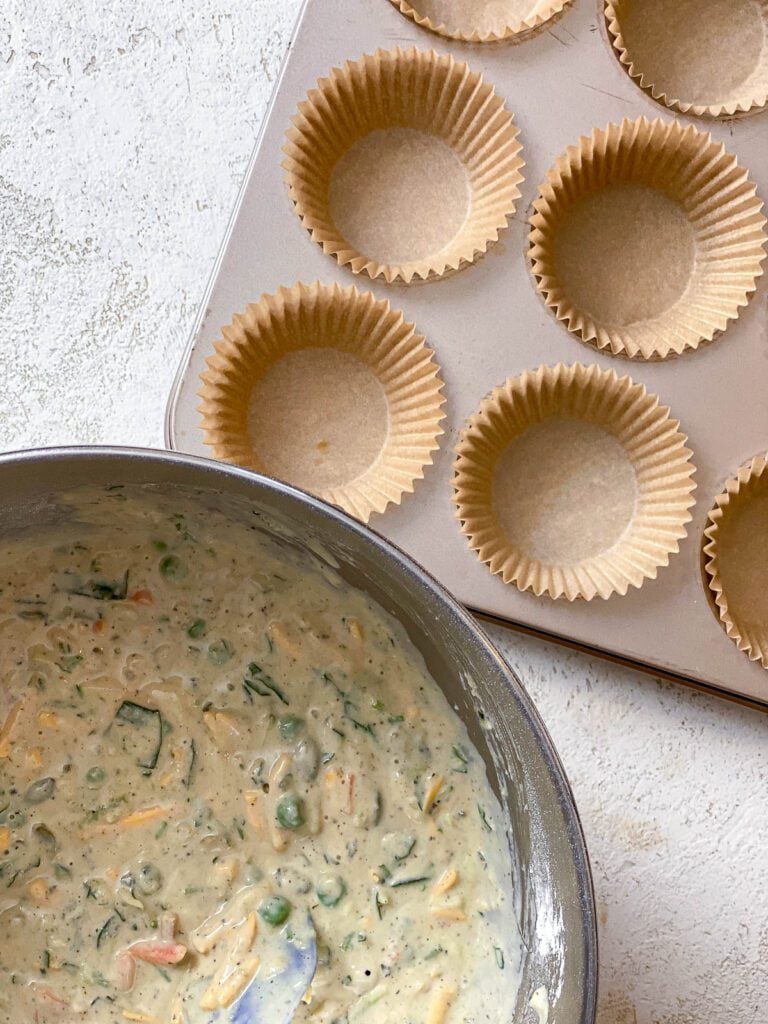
[736,558]
[646,238]
[701,57]
[573,482]
[482,21]
[367,147]
[328,389]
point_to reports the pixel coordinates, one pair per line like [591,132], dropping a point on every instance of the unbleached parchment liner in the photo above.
[646,238]
[471,22]
[434,119]
[705,59]
[292,341]
[603,508]
[736,558]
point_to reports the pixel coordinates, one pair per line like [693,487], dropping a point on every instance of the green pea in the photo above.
[290,811]
[196,629]
[172,568]
[252,875]
[331,891]
[275,910]
[148,879]
[290,726]
[95,776]
[220,651]
[41,791]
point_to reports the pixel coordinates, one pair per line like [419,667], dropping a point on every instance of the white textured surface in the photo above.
[126,129]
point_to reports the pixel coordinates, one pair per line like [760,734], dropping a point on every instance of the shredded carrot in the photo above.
[50,995]
[446,882]
[433,790]
[222,725]
[167,925]
[125,971]
[133,820]
[38,891]
[226,870]
[440,1005]
[142,597]
[279,769]
[355,629]
[48,719]
[98,626]
[35,756]
[237,981]
[448,913]
[157,951]
[7,729]
[235,973]
[142,817]
[253,811]
[279,634]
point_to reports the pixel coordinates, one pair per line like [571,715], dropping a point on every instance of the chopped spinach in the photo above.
[97,589]
[257,681]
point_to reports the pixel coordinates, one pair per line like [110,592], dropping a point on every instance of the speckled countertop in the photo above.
[126,129]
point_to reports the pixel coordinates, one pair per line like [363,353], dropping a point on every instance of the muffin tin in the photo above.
[489,321]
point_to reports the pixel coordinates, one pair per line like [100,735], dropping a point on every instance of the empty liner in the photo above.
[328,389]
[481,21]
[573,482]
[403,165]
[736,558]
[646,238]
[701,57]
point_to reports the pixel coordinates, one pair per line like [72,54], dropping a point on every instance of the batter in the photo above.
[204,739]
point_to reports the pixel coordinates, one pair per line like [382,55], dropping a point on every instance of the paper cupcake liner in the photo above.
[646,238]
[403,165]
[328,389]
[573,482]
[705,59]
[736,558]
[489,22]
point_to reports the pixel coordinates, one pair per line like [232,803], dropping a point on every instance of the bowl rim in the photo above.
[427,587]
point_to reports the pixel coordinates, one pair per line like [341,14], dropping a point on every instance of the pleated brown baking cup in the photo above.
[736,558]
[647,238]
[328,389]
[482,21]
[708,59]
[404,165]
[573,482]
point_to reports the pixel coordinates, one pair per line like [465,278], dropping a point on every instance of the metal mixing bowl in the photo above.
[555,915]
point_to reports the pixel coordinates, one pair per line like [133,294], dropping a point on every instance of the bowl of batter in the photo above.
[229,712]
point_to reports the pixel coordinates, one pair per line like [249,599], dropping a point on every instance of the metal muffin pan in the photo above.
[487,323]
